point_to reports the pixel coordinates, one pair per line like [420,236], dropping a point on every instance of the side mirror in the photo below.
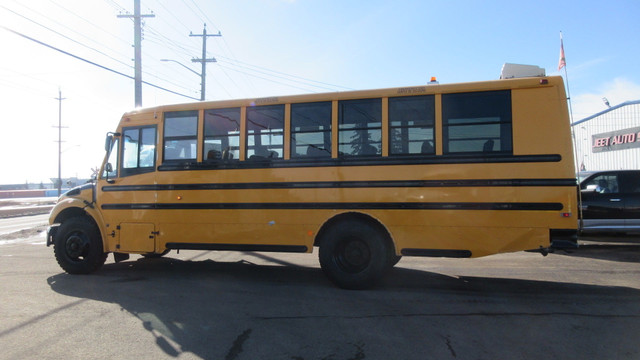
[109,168]
[108,142]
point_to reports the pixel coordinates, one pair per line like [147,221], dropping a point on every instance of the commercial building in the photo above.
[609,140]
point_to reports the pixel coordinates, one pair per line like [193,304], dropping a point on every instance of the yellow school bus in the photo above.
[447,170]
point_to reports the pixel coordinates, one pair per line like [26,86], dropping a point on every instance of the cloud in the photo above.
[616,91]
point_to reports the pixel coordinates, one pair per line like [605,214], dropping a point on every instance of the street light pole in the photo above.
[193,71]
[183,65]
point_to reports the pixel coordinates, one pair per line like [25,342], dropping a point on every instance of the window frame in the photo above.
[430,124]
[231,149]
[464,113]
[318,152]
[257,134]
[342,109]
[194,137]
[128,171]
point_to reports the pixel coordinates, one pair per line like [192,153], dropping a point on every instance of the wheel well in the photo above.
[69,213]
[74,212]
[354,216]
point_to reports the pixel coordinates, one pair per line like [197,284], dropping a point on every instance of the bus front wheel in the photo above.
[78,246]
[354,254]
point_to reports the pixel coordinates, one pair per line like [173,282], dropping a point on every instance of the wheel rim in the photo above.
[77,246]
[353,255]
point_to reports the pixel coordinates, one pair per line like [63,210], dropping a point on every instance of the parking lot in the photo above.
[234,305]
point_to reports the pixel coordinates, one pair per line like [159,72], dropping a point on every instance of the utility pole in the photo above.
[59,98]
[137,44]
[204,59]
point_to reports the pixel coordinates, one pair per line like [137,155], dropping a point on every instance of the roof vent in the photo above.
[510,71]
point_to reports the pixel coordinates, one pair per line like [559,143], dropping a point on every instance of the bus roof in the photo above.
[426,89]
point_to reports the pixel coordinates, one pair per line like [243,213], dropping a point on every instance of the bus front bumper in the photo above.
[51,233]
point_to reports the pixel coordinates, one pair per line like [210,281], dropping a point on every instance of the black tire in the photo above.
[78,246]
[355,254]
[156,255]
[394,259]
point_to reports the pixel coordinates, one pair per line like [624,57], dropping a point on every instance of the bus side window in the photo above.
[222,134]
[360,127]
[265,132]
[139,153]
[180,135]
[477,122]
[311,130]
[411,125]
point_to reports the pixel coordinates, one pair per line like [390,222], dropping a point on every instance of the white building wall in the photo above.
[621,117]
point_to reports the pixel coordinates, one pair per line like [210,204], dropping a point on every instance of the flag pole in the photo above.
[562,63]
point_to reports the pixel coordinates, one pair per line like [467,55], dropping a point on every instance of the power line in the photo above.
[64,36]
[93,63]
[250,69]
[283,77]
[93,24]
[263,78]
[115,5]
[85,45]
[284,74]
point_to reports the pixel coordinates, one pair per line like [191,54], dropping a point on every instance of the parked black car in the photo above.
[610,202]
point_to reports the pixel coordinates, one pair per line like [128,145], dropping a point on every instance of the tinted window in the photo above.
[222,134]
[265,132]
[360,127]
[180,135]
[631,182]
[477,122]
[603,183]
[311,130]
[411,121]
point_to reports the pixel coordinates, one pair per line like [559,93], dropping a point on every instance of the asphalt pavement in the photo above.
[244,305]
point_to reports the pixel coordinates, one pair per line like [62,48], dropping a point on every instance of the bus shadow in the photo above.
[212,309]
[605,251]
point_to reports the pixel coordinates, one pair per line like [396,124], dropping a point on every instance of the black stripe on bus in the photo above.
[347,184]
[341,206]
[358,161]
[448,253]
[237,247]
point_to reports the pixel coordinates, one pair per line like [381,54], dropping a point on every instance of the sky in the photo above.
[280,47]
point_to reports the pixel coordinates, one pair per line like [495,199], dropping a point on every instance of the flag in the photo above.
[561,63]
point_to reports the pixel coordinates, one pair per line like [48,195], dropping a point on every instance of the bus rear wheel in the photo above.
[78,246]
[354,254]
